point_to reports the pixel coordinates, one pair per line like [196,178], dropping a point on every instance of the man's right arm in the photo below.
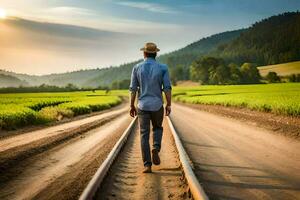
[133,88]
[132,111]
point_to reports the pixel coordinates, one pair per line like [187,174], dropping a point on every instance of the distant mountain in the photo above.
[77,77]
[271,41]
[11,81]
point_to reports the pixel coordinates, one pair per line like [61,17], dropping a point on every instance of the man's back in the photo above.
[151,78]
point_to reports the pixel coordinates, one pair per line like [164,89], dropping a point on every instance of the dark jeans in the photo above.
[156,118]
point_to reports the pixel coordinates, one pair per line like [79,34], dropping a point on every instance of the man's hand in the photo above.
[132,111]
[168,98]
[168,110]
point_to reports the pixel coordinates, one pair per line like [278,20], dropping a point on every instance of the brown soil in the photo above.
[20,147]
[126,180]
[285,125]
[63,172]
[187,83]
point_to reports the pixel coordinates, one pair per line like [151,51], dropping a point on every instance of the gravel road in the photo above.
[234,160]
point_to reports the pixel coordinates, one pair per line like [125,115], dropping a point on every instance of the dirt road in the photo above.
[53,173]
[126,180]
[237,161]
[16,148]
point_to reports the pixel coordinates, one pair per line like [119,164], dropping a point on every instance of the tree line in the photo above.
[211,70]
[49,88]
[215,71]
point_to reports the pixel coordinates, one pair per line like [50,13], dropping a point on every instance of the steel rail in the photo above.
[194,185]
[91,189]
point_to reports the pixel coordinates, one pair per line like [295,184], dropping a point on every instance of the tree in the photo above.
[272,77]
[210,70]
[235,73]
[178,73]
[220,75]
[198,72]
[250,73]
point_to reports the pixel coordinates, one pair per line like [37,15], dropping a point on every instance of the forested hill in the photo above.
[271,41]
[188,54]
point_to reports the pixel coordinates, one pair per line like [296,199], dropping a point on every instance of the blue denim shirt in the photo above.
[150,78]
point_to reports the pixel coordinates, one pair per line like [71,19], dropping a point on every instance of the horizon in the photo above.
[66,37]
[118,65]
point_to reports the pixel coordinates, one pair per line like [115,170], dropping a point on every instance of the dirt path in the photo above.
[126,180]
[26,138]
[280,124]
[234,160]
[48,168]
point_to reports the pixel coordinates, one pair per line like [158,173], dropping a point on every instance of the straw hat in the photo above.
[150,47]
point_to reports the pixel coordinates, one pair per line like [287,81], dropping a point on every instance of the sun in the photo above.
[2,13]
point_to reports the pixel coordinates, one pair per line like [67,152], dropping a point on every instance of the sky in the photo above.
[54,36]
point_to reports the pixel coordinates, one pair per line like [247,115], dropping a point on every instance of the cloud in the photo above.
[152,7]
[68,10]
[60,30]
[93,18]
[41,47]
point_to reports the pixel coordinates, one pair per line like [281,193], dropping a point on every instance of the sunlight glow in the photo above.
[2,13]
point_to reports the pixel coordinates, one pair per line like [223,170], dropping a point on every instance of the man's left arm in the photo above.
[167,88]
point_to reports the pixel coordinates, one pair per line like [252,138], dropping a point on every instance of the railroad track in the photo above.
[120,175]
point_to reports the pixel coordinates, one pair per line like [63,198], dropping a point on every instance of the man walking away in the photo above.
[149,78]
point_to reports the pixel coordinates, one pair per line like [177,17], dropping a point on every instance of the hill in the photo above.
[188,54]
[271,41]
[281,69]
[11,81]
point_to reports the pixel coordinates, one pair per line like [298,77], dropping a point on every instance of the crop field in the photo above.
[281,69]
[280,98]
[18,110]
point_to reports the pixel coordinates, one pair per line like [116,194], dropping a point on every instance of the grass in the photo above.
[281,69]
[18,110]
[280,98]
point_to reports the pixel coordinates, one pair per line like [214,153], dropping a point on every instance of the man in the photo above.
[150,78]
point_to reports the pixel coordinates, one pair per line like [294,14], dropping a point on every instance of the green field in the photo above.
[281,69]
[22,109]
[18,110]
[280,98]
